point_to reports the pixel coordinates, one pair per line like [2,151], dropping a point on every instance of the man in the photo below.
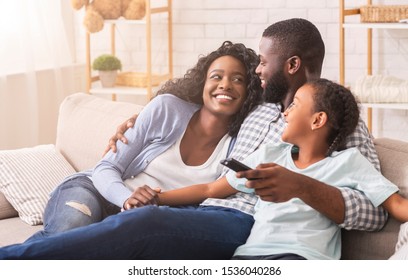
[291,53]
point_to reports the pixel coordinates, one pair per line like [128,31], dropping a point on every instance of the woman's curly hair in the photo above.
[190,87]
[342,111]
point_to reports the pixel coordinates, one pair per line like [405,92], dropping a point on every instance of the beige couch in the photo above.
[86,122]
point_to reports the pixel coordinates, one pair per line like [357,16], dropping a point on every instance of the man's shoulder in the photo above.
[268,106]
[265,123]
[360,137]
[269,111]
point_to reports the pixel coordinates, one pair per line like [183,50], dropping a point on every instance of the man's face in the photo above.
[271,71]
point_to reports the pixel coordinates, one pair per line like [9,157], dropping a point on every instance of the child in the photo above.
[322,115]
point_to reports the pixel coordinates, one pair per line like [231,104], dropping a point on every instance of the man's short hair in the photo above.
[298,37]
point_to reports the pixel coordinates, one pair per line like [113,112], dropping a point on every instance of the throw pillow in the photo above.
[28,175]
[402,236]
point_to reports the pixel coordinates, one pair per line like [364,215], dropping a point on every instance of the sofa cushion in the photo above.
[28,175]
[85,124]
[13,231]
[357,245]
[377,245]
[402,236]
[393,155]
[6,209]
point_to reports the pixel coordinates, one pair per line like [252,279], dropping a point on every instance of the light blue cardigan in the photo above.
[157,127]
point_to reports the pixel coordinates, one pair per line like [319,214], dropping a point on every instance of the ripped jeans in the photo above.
[74,203]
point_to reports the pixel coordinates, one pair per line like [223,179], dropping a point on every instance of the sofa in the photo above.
[85,124]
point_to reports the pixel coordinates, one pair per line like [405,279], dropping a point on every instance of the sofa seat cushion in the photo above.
[377,245]
[14,230]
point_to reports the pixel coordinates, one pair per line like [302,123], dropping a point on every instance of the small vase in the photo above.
[108,78]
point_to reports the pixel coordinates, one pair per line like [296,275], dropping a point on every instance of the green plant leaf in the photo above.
[106,62]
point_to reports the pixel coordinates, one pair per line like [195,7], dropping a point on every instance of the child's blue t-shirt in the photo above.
[295,227]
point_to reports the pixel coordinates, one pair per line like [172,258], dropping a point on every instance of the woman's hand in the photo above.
[142,196]
[119,135]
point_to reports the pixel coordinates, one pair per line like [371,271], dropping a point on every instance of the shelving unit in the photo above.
[93,84]
[345,12]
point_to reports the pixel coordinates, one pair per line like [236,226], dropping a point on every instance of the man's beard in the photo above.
[276,88]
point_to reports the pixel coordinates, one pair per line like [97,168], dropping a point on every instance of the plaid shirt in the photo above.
[265,125]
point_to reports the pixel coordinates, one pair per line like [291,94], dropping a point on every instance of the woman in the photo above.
[186,129]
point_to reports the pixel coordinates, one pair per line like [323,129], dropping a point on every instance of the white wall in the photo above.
[200,26]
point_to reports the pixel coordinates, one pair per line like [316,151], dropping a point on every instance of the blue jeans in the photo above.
[149,232]
[74,203]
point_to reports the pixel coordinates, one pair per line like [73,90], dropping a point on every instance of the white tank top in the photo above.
[168,170]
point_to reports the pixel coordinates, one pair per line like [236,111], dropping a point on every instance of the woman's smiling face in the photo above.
[225,87]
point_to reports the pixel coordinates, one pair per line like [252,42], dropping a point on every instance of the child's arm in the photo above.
[196,193]
[397,206]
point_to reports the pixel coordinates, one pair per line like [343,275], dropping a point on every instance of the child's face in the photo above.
[299,116]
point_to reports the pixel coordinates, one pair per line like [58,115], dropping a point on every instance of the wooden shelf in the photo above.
[93,84]
[376,25]
[349,12]
[131,21]
[394,106]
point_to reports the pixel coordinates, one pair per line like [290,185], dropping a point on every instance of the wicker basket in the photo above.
[136,79]
[386,13]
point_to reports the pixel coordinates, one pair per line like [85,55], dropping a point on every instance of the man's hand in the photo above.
[120,131]
[142,196]
[273,182]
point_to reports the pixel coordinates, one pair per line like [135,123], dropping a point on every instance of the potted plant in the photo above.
[108,66]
